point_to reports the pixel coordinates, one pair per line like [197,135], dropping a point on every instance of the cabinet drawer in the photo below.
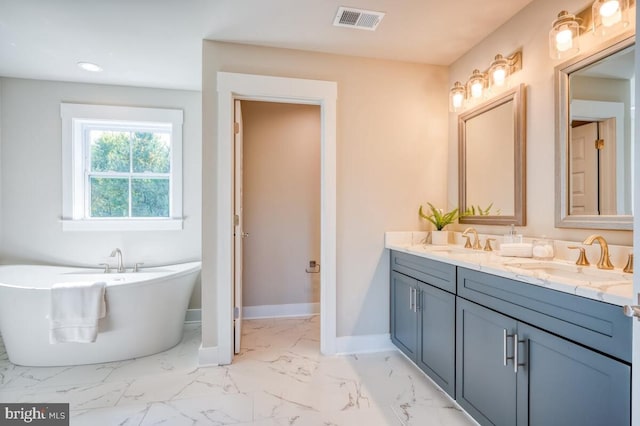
[438,274]
[595,324]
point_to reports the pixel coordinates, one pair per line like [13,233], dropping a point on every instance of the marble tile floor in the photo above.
[279,378]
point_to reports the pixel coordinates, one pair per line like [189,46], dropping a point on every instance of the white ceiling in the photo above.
[158,43]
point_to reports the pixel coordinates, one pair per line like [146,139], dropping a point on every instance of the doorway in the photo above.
[277,208]
[231,86]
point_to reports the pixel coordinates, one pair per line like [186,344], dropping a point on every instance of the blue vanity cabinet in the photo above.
[570,353]
[486,382]
[404,314]
[423,315]
[436,353]
[556,382]
[562,383]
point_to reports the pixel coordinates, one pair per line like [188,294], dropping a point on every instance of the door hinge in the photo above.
[236,128]
[600,144]
[236,220]
[236,312]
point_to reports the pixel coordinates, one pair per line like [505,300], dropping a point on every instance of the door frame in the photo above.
[232,86]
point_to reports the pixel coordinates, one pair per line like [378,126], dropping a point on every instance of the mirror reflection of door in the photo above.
[592,167]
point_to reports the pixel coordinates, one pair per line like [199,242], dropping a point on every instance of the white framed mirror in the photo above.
[492,161]
[594,137]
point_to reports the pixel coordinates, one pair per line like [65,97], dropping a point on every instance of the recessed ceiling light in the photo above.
[88,66]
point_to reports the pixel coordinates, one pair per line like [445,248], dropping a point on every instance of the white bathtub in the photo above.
[145,313]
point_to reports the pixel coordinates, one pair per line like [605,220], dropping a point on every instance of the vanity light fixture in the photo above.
[603,18]
[456,97]
[494,78]
[476,85]
[501,68]
[563,37]
[609,16]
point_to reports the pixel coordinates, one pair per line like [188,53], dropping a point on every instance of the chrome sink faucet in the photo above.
[476,240]
[118,255]
[604,262]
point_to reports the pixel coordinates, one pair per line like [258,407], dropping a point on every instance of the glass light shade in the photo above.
[498,72]
[456,97]
[609,16]
[563,37]
[476,85]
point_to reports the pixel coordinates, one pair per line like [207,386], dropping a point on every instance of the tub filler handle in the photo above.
[136,267]
[107,268]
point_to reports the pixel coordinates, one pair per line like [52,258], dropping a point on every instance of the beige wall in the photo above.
[281,191]
[528,30]
[391,157]
[31,175]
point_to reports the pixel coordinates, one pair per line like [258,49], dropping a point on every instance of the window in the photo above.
[122,168]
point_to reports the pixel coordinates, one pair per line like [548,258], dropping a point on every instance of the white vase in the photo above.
[439,238]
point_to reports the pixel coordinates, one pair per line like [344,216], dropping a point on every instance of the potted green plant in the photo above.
[439,219]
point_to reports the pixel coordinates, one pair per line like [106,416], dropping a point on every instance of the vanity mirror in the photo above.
[491,161]
[594,138]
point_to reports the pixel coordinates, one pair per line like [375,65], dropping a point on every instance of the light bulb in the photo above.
[457,100]
[564,40]
[499,77]
[610,13]
[476,89]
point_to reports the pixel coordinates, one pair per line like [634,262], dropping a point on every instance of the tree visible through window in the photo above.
[121,168]
[128,173]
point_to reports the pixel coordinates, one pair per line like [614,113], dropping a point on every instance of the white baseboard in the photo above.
[363,344]
[193,315]
[278,311]
[208,356]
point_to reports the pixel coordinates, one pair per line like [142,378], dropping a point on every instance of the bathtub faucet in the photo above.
[118,254]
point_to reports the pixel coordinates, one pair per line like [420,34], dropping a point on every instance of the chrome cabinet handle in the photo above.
[411,298]
[505,336]
[415,300]
[515,353]
[516,344]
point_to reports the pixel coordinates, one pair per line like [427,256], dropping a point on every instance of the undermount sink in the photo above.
[574,272]
[438,249]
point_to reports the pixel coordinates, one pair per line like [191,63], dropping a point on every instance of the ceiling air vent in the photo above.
[357,18]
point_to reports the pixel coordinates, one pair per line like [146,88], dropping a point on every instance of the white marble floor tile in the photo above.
[278,379]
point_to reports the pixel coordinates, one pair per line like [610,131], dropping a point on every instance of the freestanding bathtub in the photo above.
[145,313]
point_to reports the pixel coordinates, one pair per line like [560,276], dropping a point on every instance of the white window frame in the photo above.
[74,192]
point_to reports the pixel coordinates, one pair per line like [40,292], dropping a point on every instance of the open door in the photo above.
[584,169]
[238,233]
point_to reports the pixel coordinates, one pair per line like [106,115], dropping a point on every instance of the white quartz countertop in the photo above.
[615,286]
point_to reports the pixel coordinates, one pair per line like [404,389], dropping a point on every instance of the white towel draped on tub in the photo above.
[75,311]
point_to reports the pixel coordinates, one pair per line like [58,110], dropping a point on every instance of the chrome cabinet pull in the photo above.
[516,344]
[415,300]
[505,336]
[515,353]
[411,298]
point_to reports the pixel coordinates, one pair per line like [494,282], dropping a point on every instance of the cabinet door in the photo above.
[436,336]
[561,383]
[485,387]
[404,323]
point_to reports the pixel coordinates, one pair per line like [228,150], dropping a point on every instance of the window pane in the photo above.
[151,152]
[109,197]
[150,197]
[109,151]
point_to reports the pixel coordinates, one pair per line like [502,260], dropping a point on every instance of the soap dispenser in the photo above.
[511,236]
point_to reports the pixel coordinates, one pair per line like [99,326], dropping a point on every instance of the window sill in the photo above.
[122,225]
